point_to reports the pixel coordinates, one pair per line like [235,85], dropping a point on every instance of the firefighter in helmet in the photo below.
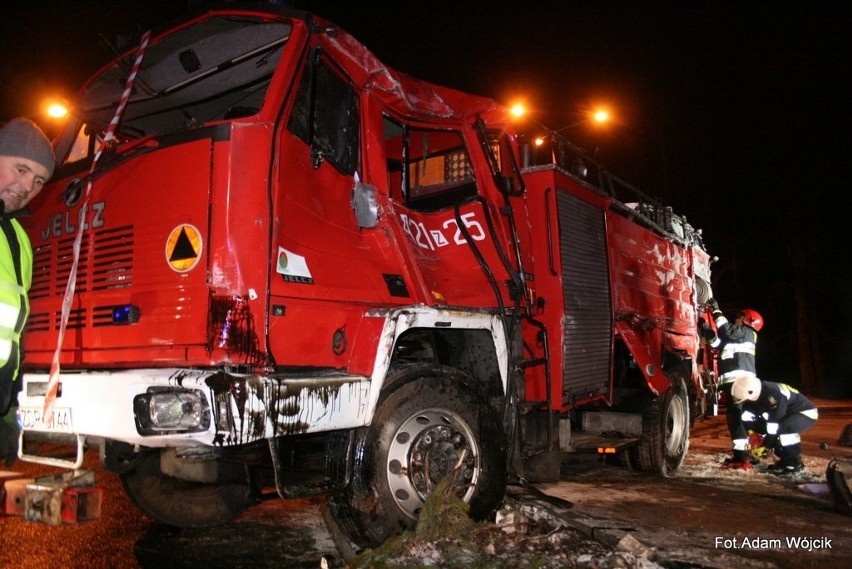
[737,345]
[26,163]
[778,412]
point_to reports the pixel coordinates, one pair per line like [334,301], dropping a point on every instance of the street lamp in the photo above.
[49,115]
[596,118]
[52,115]
[57,110]
[564,152]
[518,110]
[561,152]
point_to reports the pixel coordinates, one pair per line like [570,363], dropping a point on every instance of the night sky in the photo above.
[735,113]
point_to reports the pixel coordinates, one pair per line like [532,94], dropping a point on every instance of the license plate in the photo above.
[33,419]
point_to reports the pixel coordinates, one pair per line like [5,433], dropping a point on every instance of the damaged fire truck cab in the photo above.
[267,261]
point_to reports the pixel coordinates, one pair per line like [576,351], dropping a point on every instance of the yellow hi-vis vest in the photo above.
[15,281]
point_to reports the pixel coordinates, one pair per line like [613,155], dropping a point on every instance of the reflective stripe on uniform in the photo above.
[748,417]
[730,376]
[788,439]
[8,336]
[772,428]
[13,287]
[732,348]
[8,315]
[740,444]
[811,413]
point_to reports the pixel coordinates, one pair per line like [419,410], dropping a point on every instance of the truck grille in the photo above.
[106,262]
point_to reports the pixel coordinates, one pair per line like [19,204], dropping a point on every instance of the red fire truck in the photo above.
[287,269]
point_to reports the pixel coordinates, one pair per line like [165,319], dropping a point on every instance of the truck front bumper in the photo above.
[181,408]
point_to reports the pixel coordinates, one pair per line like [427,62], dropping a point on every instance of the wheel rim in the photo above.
[676,427]
[424,450]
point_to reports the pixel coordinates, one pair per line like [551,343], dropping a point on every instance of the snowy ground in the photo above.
[599,515]
[603,515]
[709,517]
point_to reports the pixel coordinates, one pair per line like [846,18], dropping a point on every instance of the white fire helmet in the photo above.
[745,388]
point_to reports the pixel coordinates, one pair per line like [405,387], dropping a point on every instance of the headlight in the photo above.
[166,410]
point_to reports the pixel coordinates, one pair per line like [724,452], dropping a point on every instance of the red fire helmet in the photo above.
[752,318]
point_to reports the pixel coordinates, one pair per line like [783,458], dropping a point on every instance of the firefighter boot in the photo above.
[739,461]
[788,465]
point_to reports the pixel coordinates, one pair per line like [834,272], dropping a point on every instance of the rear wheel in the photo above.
[665,436]
[425,429]
[180,503]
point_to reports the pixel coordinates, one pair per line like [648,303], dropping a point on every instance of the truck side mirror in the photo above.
[509,187]
[364,205]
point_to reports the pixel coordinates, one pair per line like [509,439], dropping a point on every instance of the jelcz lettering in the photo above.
[66,223]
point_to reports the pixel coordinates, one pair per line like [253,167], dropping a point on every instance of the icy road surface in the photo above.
[703,518]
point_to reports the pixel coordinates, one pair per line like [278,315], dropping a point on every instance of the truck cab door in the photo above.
[328,263]
[439,207]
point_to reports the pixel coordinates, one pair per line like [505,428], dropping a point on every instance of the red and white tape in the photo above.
[53,381]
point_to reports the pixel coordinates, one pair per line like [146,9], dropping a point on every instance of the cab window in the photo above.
[428,169]
[325,116]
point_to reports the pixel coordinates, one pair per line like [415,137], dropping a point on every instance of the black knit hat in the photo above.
[23,138]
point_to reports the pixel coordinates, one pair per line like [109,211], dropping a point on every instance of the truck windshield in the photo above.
[215,69]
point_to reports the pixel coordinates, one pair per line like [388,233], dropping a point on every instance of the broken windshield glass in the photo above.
[215,69]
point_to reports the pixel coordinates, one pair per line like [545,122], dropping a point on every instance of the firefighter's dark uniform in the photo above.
[737,345]
[781,413]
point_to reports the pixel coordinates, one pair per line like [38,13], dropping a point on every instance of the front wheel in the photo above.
[427,428]
[181,503]
[665,436]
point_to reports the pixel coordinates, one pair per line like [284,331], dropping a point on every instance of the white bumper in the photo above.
[243,408]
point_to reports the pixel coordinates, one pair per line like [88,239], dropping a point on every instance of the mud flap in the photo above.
[838,474]
[543,467]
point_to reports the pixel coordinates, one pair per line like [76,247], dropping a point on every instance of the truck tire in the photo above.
[418,435]
[179,503]
[665,432]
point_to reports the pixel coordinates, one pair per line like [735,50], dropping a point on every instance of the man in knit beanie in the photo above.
[26,163]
